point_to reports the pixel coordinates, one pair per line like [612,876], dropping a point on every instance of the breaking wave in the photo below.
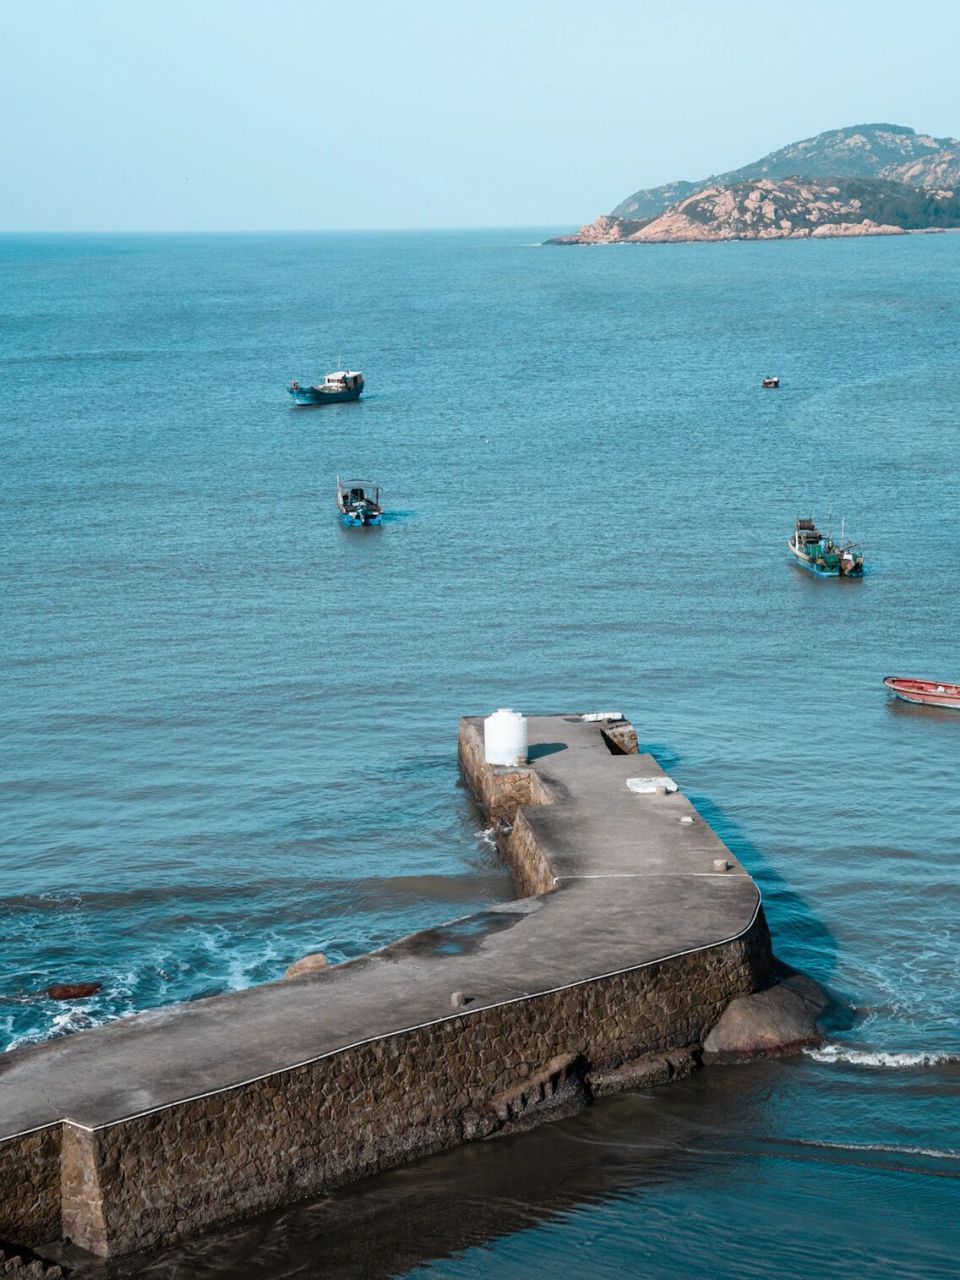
[879,1058]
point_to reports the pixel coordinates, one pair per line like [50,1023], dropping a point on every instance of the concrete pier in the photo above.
[154,1127]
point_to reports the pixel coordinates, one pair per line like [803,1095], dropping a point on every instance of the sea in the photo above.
[230,724]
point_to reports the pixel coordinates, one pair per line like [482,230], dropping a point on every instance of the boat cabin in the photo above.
[343,380]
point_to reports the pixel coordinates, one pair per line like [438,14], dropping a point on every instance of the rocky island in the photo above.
[877,179]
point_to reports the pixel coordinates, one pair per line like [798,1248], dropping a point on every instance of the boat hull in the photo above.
[304,397]
[358,522]
[926,693]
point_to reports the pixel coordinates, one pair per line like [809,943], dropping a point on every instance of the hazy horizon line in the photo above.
[279,231]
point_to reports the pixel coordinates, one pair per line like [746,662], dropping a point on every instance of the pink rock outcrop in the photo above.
[307,966]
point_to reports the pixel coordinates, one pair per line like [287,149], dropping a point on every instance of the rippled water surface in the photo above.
[229,725]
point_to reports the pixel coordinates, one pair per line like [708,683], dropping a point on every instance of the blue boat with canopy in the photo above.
[358,502]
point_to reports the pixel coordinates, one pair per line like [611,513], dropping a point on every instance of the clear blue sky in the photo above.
[249,114]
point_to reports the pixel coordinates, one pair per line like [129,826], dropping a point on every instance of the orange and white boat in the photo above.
[931,693]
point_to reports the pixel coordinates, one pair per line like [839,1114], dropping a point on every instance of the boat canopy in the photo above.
[351,491]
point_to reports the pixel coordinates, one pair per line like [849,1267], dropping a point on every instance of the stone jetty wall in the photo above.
[368,1109]
[514,1060]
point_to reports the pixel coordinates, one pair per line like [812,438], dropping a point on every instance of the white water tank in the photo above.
[505,738]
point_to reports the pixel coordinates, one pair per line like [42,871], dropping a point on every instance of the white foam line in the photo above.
[387,1035]
[879,1057]
[887,1148]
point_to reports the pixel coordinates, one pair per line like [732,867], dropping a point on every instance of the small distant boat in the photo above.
[770,382]
[346,384]
[821,555]
[358,502]
[927,692]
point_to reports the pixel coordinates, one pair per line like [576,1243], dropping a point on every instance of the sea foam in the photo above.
[878,1058]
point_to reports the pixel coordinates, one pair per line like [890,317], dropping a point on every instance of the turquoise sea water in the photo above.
[230,725]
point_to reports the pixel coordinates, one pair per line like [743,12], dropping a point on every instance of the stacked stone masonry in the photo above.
[520,1052]
[30,1185]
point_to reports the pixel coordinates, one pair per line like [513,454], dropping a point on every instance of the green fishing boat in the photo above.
[819,553]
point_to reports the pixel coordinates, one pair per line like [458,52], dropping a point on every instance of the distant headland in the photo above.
[868,179]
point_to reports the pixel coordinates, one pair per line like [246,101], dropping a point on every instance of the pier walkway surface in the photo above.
[633,886]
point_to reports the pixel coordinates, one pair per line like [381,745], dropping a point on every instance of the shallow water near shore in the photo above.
[230,725]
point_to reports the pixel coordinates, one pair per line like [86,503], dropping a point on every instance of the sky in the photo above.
[193,115]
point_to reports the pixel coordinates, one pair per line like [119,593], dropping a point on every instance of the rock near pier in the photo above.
[779,1021]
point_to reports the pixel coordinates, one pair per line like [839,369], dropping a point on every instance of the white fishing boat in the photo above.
[345,384]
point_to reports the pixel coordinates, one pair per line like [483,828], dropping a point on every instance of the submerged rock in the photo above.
[73,990]
[769,1024]
[316,962]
